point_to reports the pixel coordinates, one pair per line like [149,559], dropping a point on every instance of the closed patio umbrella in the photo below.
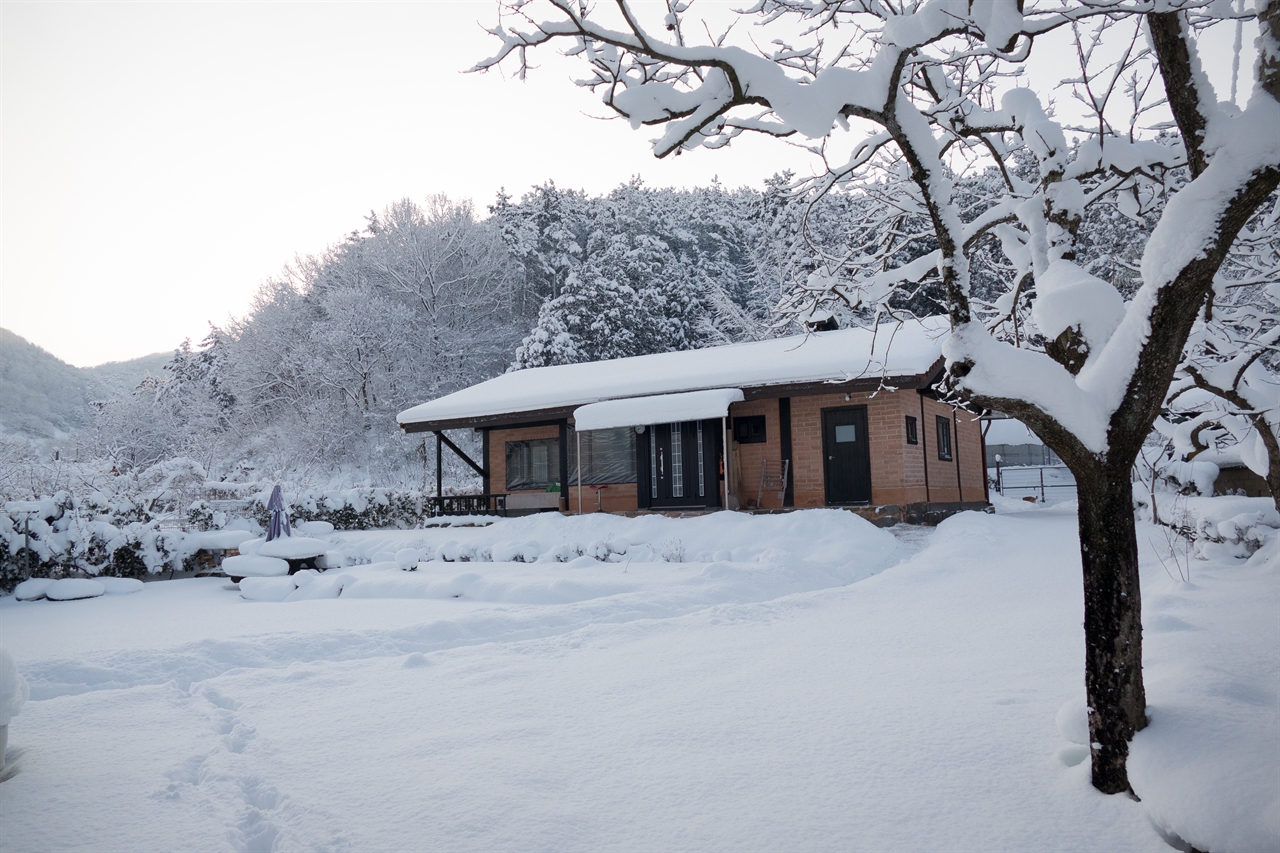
[279,524]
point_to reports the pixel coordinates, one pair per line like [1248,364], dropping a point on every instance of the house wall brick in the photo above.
[897,468]
[752,456]
[615,497]
[962,477]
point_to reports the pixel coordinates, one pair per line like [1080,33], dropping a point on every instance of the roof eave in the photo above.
[750,392]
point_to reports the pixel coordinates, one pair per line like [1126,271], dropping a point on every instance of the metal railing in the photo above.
[495,504]
[1040,481]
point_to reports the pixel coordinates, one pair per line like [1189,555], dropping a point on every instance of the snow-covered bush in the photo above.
[350,509]
[63,536]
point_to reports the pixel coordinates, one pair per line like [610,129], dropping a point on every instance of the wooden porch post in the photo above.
[724,457]
[578,435]
[439,474]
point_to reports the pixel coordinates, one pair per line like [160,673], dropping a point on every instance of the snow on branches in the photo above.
[915,92]
[899,99]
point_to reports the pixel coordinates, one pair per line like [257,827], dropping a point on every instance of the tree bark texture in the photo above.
[1112,623]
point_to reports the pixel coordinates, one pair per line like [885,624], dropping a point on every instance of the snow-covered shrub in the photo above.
[673,551]
[200,515]
[61,536]
[350,509]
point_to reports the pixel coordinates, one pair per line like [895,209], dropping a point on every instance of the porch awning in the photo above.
[658,409]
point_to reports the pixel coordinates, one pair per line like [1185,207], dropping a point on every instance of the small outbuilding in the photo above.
[843,418]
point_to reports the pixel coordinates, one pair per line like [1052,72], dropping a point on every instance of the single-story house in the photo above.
[843,417]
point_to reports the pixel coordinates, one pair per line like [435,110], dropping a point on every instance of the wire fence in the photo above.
[1043,482]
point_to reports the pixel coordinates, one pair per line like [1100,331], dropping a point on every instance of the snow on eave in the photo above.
[893,352]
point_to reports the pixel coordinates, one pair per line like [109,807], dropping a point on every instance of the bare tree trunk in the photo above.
[1112,622]
[1273,456]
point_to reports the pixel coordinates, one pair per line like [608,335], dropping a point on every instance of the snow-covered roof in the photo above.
[906,350]
[658,409]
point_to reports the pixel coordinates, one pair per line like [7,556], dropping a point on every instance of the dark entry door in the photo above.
[847,455]
[682,465]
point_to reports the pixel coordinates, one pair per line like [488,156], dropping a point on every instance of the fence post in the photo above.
[1042,498]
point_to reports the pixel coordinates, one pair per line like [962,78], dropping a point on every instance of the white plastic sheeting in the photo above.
[658,409]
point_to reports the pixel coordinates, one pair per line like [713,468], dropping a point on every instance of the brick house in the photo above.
[833,418]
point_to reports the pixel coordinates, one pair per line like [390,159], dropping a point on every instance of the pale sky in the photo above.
[160,160]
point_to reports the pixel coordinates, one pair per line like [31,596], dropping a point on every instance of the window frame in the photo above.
[944,438]
[913,430]
[749,434]
[530,485]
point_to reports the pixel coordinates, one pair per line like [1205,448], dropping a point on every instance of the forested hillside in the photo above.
[44,397]
[431,297]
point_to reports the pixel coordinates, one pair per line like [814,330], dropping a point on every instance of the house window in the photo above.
[913,437]
[608,456]
[944,438]
[533,464]
[749,429]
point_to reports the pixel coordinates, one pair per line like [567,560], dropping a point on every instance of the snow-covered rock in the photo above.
[254,566]
[31,589]
[408,558]
[72,589]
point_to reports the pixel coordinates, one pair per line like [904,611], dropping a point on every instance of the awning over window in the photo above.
[658,409]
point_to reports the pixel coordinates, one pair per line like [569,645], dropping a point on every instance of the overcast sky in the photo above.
[161,159]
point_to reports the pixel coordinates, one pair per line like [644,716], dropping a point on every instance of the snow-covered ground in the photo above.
[799,681]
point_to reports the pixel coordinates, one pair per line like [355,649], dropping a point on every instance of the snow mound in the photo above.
[293,548]
[314,528]
[1073,721]
[14,690]
[73,589]
[320,586]
[120,586]
[407,558]
[331,560]
[31,589]
[219,539]
[253,566]
[267,589]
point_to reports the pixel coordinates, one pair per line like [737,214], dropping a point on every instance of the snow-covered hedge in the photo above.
[118,535]
[350,509]
[62,535]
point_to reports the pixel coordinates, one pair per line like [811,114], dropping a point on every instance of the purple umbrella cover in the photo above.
[279,524]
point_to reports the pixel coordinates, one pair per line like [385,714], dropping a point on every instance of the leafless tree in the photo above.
[914,88]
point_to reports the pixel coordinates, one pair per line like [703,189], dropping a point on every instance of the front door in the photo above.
[682,466]
[846,455]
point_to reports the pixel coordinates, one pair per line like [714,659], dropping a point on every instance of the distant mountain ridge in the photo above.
[41,396]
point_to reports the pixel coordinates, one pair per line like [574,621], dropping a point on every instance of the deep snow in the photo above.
[775,691]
